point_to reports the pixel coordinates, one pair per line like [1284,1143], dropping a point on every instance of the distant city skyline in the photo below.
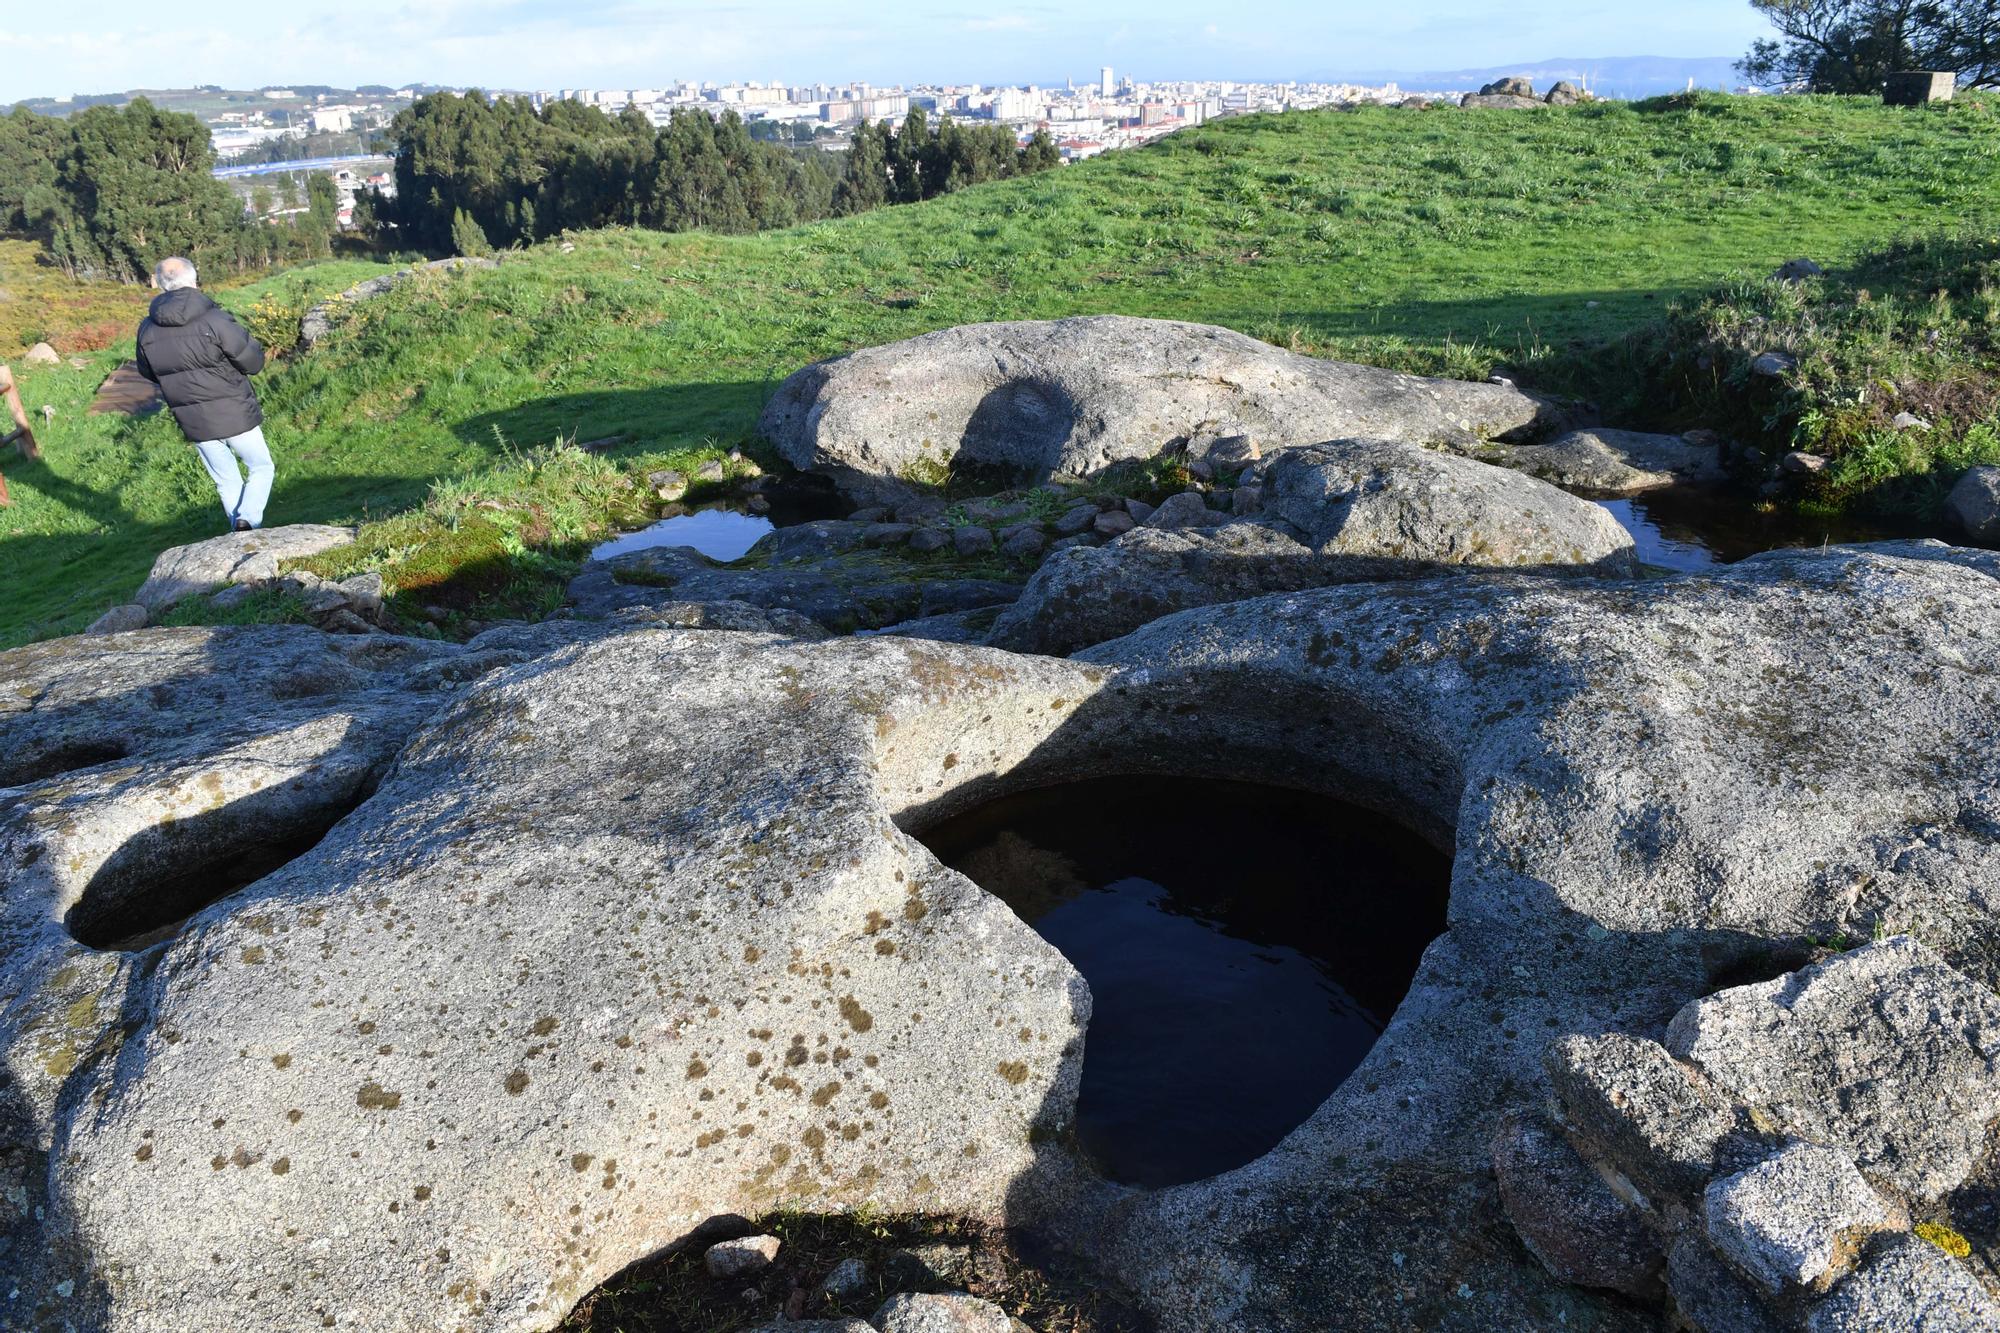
[49,51]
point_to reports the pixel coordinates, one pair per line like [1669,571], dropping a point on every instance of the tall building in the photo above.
[1110,89]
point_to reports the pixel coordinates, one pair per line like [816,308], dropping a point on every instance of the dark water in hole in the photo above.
[1691,530]
[1244,945]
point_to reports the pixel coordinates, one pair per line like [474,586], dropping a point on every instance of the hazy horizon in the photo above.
[608,43]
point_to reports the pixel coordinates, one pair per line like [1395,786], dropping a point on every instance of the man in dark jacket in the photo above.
[202,360]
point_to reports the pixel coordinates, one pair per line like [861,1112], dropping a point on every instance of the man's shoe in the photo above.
[243,525]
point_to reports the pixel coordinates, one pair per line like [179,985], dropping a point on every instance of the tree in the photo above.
[466,236]
[866,184]
[1852,46]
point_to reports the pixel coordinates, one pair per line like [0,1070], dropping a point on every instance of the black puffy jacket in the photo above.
[202,359]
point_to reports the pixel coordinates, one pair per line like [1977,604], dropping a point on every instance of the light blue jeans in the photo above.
[242,497]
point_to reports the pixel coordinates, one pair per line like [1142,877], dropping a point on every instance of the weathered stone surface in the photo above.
[952,1313]
[1907,1283]
[1632,773]
[236,557]
[1564,93]
[846,1279]
[1774,365]
[1569,1217]
[1710,1296]
[1885,1053]
[745,1256]
[1407,507]
[119,620]
[137,771]
[551,810]
[41,354]
[1113,523]
[825,576]
[972,541]
[1500,102]
[1975,503]
[1375,511]
[1186,510]
[1069,397]
[1659,1121]
[1611,462]
[739,616]
[1683,787]
[816,1326]
[1796,1219]
[1085,595]
[1798,270]
[1512,86]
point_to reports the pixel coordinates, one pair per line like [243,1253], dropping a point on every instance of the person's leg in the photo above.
[220,465]
[256,456]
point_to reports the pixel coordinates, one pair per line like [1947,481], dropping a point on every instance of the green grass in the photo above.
[1437,241]
[1913,327]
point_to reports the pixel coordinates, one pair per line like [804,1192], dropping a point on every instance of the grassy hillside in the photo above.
[1440,241]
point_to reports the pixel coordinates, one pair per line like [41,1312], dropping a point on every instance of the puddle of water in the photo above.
[1689,530]
[1244,945]
[720,534]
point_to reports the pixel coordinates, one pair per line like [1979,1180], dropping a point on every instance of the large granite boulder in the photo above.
[1354,511]
[1069,397]
[1403,509]
[600,958]
[635,932]
[233,558]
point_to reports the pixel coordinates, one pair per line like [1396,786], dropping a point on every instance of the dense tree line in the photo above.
[1852,46]
[472,173]
[113,191]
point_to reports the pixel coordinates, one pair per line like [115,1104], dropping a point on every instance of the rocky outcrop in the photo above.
[1885,1053]
[1353,511]
[234,558]
[1612,462]
[1803,1116]
[318,321]
[634,931]
[835,575]
[1070,397]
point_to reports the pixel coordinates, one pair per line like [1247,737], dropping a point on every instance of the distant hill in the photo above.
[1625,77]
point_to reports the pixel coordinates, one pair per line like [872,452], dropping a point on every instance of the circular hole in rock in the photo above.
[1245,946]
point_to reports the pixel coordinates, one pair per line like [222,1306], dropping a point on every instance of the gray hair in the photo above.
[174,274]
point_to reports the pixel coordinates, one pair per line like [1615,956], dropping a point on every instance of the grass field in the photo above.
[1441,241]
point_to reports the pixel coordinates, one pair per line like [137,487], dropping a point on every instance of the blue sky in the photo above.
[110,45]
